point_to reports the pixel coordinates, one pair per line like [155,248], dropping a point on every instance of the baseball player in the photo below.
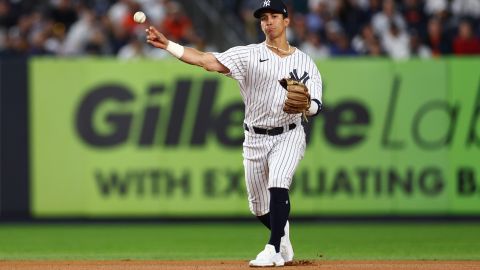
[279,85]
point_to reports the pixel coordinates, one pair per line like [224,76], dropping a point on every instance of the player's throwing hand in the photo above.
[155,38]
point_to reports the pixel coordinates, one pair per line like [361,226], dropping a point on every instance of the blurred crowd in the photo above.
[96,27]
[398,29]
[395,28]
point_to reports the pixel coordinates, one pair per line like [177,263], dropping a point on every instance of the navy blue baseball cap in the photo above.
[275,6]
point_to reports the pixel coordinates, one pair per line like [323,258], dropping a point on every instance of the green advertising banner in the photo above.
[159,138]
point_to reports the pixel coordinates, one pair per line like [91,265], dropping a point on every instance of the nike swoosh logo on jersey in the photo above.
[263,60]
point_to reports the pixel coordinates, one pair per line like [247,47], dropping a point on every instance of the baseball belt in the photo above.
[271,131]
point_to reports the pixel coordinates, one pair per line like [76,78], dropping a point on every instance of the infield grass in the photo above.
[410,241]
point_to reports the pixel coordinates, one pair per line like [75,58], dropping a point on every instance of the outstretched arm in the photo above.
[188,55]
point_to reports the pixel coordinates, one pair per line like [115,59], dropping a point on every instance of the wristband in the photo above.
[175,49]
[315,107]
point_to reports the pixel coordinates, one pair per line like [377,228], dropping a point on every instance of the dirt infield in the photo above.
[234,265]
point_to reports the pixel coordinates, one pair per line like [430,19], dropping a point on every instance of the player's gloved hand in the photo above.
[298,98]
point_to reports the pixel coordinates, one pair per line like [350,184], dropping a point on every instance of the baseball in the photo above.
[139,17]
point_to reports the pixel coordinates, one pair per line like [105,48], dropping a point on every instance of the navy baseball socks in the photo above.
[279,211]
[265,219]
[277,221]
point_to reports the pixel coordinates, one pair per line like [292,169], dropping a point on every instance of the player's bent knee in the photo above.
[257,211]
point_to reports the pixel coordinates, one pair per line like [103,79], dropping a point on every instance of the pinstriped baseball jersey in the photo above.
[258,70]
[269,161]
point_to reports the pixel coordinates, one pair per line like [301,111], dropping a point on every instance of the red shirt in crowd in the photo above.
[466,46]
[177,27]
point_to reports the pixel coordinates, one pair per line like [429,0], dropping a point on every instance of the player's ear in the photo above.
[286,21]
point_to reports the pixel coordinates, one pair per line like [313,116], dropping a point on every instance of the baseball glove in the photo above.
[298,98]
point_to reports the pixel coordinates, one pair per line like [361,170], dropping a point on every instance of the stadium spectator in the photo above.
[37,46]
[8,16]
[177,25]
[364,40]
[317,17]
[97,43]
[64,13]
[341,46]
[252,30]
[79,35]
[466,8]
[414,13]
[465,42]
[118,11]
[17,37]
[374,49]
[127,21]
[299,32]
[381,21]
[436,8]
[314,47]
[329,4]
[437,38]
[417,48]
[132,50]
[396,42]
[117,36]
[332,30]
[156,10]
[300,6]
[350,16]
[373,7]
[362,4]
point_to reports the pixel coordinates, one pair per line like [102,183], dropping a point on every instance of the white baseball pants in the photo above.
[270,161]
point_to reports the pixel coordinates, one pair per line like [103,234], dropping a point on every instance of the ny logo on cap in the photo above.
[266,3]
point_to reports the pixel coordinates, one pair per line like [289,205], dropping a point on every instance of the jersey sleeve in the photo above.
[236,60]
[315,87]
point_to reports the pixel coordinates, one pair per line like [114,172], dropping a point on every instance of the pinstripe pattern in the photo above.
[269,161]
[262,94]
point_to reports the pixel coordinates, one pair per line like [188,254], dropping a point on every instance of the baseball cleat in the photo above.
[286,249]
[267,257]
